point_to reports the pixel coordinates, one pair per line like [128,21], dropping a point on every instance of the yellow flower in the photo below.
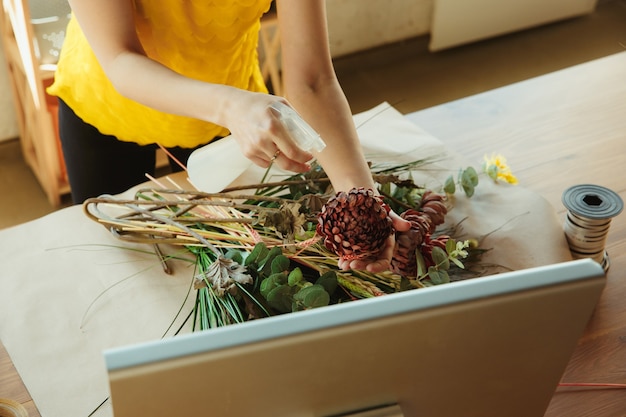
[496,168]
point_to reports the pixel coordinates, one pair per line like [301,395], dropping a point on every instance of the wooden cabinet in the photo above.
[30,74]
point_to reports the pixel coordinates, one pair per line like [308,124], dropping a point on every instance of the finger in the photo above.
[343,264]
[399,223]
[288,146]
[380,265]
[290,165]
[383,262]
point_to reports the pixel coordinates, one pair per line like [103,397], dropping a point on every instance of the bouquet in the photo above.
[273,248]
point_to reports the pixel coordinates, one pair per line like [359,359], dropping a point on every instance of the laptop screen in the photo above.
[490,346]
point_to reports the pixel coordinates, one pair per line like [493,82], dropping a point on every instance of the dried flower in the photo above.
[355,224]
[223,276]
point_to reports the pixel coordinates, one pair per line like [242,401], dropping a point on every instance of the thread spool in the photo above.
[10,408]
[590,210]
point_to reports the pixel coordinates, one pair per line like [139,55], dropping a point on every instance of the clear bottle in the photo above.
[214,166]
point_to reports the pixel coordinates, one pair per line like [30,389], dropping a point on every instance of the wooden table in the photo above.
[561,129]
[558,130]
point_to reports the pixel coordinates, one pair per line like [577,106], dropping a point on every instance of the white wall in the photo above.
[356,25]
[8,121]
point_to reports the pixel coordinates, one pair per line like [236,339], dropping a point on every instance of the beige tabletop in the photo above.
[559,130]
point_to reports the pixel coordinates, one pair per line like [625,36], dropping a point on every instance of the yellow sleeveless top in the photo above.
[209,40]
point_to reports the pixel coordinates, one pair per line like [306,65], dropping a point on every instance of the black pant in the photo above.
[100,164]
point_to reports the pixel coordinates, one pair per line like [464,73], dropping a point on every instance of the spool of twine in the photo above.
[10,408]
[590,209]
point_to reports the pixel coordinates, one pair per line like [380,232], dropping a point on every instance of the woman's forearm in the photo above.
[146,81]
[326,109]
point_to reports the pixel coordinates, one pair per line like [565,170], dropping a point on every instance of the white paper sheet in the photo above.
[68,291]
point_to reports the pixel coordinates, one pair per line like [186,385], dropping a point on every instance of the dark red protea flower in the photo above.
[355,225]
[424,221]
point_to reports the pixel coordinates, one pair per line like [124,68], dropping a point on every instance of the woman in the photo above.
[179,73]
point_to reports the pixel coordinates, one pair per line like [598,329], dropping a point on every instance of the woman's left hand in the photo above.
[383,262]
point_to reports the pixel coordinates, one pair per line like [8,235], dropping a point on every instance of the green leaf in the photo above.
[265,266]
[259,252]
[469,180]
[458,263]
[272,282]
[329,281]
[450,246]
[468,189]
[440,257]
[280,263]
[438,277]
[313,296]
[471,175]
[235,255]
[421,263]
[280,298]
[294,277]
[492,172]
[449,187]
[434,275]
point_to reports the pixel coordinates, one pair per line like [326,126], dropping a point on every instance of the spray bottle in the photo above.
[214,166]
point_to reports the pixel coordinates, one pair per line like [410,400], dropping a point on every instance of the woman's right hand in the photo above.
[263,139]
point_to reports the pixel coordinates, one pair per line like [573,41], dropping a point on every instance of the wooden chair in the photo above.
[269,51]
[36,111]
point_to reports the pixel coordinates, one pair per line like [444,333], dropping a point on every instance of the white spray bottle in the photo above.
[214,166]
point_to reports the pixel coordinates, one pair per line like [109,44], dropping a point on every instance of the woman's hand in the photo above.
[255,125]
[383,262]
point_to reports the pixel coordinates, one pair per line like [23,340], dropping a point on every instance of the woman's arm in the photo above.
[109,27]
[313,89]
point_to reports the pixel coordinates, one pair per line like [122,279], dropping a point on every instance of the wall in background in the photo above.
[357,25]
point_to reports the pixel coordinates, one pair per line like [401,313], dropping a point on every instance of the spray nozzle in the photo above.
[304,135]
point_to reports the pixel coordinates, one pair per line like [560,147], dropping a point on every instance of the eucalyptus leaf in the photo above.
[313,296]
[280,298]
[457,263]
[492,172]
[280,263]
[421,263]
[266,286]
[271,282]
[440,257]
[468,189]
[265,266]
[294,277]
[235,255]
[328,280]
[450,246]
[449,186]
[436,276]
[471,176]
[469,180]
[258,252]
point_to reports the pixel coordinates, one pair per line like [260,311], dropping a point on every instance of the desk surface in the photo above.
[561,129]
[558,130]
